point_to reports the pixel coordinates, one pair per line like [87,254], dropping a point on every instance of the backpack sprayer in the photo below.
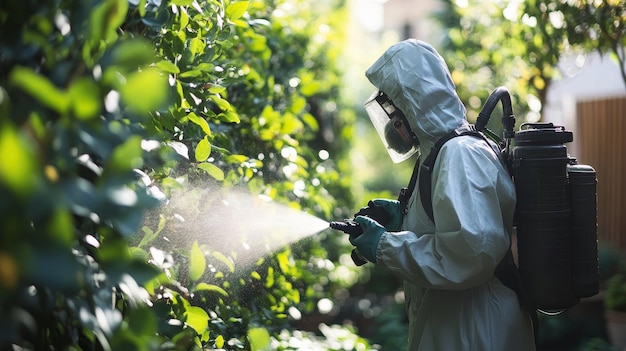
[555,215]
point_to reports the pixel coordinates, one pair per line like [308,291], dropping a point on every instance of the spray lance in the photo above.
[350,227]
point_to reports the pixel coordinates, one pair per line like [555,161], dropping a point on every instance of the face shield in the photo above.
[392,127]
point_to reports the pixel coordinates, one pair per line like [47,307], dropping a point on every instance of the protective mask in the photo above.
[392,127]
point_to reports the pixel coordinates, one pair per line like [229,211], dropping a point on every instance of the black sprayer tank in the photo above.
[584,229]
[555,217]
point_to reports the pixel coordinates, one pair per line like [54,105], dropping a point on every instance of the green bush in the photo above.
[615,298]
[108,110]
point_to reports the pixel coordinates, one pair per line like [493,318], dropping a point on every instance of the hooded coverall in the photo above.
[453,300]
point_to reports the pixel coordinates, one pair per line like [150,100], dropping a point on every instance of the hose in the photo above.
[498,94]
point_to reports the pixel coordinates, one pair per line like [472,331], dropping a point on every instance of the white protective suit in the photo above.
[453,300]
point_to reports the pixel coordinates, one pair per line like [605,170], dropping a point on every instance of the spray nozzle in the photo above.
[351,227]
[347,226]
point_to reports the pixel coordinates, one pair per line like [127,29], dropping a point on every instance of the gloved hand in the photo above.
[367,242]
[391,217]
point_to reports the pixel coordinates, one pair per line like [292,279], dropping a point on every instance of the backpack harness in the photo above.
[506,271]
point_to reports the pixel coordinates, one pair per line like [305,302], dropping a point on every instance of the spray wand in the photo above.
[350,227]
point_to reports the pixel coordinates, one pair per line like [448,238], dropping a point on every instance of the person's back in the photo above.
[457,303]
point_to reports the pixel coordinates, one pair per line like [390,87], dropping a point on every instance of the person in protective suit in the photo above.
[453,299]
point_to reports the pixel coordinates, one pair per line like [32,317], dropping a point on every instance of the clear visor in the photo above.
[391,128]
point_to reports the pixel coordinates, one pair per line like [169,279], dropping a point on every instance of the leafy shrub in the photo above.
[616,293]
[106,109]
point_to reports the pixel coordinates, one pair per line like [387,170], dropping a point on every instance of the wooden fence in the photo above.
[601,140]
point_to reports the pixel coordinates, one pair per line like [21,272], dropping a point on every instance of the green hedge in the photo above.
[109,112]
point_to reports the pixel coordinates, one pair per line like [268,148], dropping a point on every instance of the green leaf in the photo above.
[85,98]
[201,122]
[237,158]
[311,121]
[298,103]
[220,256]
[142,8]
[142,321]
[311,88]
[269,281]
[145,91]
[17,164]
[290,124]
[230,116]
[52,266]
[128,55]
[126,156]
[191,74]
[150,235]
[236,9]
[197,262]
[61,226]
[203,150]
[205,67]
[217,89]
[259,338]
[240,23]
[40,88]
[106,18]
[221,103]
[211,287]
[181,2]
[196,45]
[219,341]
[212,170]
[137,253]
[197,318]
[115,251]
[225,44]
[167,67]
[283,262]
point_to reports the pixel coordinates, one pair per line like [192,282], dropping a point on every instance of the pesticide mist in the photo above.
[235,222]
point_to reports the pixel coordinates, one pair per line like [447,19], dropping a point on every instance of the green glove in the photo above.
[367,242]
[391,217]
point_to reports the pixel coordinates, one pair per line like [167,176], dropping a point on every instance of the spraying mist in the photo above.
[235,222]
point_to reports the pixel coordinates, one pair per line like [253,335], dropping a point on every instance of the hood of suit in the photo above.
[417,80]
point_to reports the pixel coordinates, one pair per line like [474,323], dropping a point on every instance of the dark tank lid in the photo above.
[580,169]
[542,134]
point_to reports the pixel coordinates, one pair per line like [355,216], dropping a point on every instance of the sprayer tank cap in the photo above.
[543,134]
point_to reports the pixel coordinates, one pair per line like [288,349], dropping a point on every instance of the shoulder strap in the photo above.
[405,193]
[426,170]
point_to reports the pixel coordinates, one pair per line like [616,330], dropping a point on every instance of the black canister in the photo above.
[543,214]
[584,229]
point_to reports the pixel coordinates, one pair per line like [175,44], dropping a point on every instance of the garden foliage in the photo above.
[108,110]
[526,51]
